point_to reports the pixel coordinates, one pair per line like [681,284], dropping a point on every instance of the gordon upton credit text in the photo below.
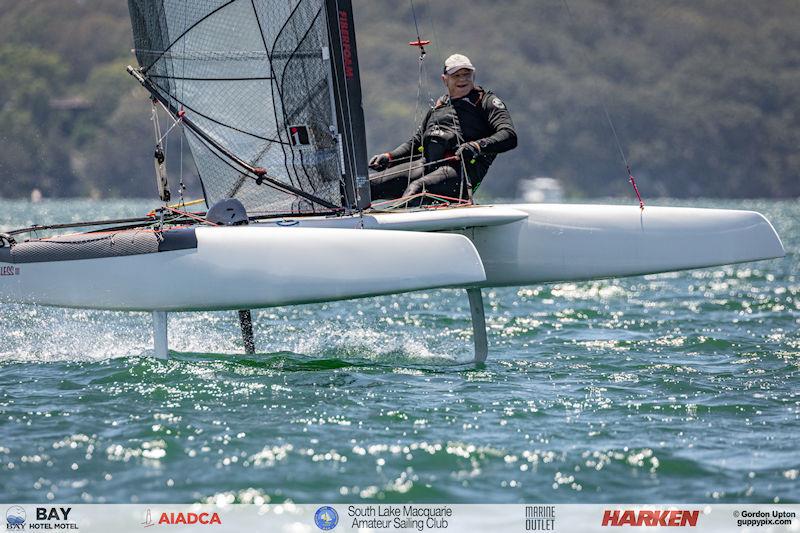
[399,516]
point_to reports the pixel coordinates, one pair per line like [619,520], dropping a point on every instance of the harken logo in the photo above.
[653,518]
[15,518]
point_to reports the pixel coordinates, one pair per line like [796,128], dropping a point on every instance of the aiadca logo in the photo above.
[181,518]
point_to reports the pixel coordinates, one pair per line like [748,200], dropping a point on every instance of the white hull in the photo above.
[296,261]
[252,267]
[524,244]
[579,242]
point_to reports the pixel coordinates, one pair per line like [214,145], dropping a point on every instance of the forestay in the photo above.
[273,110]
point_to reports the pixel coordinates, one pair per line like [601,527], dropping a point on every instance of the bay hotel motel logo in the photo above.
[15,518]
[47,518]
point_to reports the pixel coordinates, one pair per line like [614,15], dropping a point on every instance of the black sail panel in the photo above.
[349,110]
[257,81]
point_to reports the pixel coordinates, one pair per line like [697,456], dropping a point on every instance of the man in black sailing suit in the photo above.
[465,129]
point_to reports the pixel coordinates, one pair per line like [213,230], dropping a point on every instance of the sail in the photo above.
[256,85]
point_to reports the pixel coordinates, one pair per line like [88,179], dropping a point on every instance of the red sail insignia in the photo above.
[347,49]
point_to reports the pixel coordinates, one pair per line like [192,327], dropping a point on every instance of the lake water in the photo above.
[667,388]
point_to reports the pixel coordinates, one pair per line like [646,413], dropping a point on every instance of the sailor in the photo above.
[463,131]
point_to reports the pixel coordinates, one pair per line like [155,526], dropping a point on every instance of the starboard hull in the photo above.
[579,242]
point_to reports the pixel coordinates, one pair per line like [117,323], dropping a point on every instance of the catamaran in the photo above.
[268,96]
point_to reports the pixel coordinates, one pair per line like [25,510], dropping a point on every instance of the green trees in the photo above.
[31,154]
[705,95]
[65,122]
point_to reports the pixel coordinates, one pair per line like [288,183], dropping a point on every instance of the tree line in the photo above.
[704,95]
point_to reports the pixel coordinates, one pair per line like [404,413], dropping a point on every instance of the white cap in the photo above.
[456,62]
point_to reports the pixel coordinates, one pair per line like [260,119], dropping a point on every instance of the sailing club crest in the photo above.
[300,136]
[326,518]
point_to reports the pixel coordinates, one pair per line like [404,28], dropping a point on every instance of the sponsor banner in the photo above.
[406,518]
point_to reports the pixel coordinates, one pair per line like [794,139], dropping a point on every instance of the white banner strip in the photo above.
[405,518]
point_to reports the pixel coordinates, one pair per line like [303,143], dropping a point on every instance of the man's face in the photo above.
[459,83]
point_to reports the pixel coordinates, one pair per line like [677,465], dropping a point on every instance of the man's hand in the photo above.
[380,161]
[467,151]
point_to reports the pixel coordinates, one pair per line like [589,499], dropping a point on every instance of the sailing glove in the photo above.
[380,162]
[468,150]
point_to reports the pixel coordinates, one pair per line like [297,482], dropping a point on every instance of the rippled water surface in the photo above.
[676,387]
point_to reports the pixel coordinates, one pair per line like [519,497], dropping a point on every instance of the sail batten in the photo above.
[255,82]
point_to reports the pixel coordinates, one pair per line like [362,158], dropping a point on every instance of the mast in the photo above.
[347,101]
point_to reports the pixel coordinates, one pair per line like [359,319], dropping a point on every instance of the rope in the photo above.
[417,114]
[181,185]
[156,124]
[416,25]
[608,116]
[459,141]
[420,81]
[384,174]
[160,140]
[397,202]
[190,215]
[422,53]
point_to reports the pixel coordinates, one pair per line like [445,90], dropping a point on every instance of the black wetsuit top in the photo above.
[479,116]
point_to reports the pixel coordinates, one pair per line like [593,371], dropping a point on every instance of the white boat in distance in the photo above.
[272,113]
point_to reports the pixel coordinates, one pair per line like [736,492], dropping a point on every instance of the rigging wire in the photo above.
[439,55]
[160,155]
[422,81]
[422,53]
[625,162]
[181,184]
[160,140]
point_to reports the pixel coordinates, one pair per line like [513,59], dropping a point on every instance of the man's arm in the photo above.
[504,137]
